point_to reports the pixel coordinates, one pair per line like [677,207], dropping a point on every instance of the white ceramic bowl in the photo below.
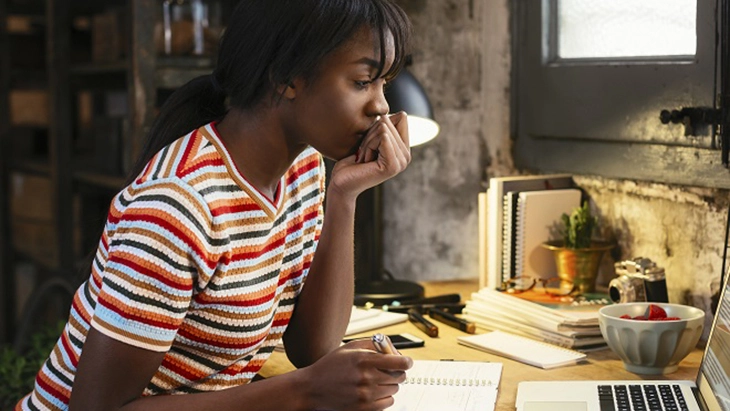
[651,347]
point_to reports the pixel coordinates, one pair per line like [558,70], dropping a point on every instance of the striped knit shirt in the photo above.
[196,263]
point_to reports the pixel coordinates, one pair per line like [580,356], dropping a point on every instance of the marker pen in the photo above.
[422,323]
[452,320]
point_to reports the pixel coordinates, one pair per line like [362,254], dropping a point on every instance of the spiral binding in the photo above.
[452,382]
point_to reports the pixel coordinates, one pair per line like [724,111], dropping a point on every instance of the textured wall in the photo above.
[462,57]
[682,229]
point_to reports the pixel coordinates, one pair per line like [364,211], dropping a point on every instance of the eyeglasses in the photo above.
[553,286]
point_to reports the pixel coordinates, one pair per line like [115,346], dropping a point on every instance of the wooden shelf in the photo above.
[37,167]
[30,8]
[22,255]
[170,74]
[50,46]
[172,78]
[15,128]
[174,71]
[100,179]
[28,79]
[99,68]
[185,62]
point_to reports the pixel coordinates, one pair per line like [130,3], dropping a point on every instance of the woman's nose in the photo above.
[380,104]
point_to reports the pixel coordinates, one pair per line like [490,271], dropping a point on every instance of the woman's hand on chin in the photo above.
[384,152]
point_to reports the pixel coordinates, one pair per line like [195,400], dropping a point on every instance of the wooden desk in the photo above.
[602,364]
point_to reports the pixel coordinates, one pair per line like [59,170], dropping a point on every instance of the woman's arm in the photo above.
[111,376]
[324,305]
[323,308]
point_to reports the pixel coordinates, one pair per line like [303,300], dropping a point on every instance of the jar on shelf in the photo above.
[191,27]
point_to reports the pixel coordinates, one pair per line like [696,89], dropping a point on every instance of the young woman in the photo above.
[219,247]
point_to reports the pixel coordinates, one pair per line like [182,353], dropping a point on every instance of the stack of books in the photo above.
[568,325]
[517,214]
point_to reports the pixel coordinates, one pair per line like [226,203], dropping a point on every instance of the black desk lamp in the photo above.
[404,93]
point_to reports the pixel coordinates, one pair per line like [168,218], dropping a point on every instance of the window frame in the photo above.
[555,131]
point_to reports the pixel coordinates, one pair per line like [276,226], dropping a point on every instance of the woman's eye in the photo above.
[363,84]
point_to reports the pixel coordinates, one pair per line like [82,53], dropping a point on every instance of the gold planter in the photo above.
[578,267]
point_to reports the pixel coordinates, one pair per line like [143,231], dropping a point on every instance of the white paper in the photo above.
[449,386]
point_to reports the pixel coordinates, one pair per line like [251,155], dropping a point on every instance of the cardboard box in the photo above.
[108,43]
[29,108]
[31,198]
[33,231]
[35,239]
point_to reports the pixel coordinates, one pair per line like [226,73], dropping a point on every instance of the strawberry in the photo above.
[656,312]
[626,317]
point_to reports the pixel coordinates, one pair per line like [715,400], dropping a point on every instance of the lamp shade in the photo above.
[405,93]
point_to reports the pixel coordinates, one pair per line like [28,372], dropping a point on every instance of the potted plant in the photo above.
[577,255]
[18,368]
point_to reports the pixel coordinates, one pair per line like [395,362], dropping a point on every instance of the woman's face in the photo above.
[333,110]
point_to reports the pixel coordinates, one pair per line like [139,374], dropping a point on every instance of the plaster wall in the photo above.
[462,57]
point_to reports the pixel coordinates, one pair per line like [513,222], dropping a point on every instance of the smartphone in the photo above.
[400,341]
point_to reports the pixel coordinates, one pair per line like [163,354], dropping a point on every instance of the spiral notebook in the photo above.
[523,349]
[531,218]
[449,386]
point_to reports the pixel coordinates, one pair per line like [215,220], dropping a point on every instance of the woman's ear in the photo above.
[291,88]
[288,91]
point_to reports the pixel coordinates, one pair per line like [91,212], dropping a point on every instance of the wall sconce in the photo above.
[404,93]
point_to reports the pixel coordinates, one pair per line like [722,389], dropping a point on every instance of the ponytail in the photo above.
[195,104]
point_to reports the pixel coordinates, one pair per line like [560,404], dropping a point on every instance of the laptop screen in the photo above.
[713,380]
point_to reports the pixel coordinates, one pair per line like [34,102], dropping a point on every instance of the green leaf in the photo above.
[18,370]
[578,227]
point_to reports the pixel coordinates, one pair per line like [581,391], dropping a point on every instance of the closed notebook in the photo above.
[365,320]
[522,349]
[362,320]
[538,214]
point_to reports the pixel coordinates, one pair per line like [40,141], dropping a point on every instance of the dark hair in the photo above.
[268,43]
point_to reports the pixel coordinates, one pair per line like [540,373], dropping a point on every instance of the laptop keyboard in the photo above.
[637,397]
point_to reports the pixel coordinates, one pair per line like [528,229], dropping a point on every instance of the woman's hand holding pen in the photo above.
[355,377]
[383,153]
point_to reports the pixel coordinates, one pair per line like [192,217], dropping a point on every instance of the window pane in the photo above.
[626,28]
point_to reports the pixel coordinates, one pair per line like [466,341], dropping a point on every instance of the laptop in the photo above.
[709,392]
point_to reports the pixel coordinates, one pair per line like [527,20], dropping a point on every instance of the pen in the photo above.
[452,320]
[454,308]
[442,300]
[437,299]
[422,323]
[383,344]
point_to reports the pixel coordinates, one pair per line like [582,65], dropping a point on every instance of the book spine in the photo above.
[485,279]
[494,231]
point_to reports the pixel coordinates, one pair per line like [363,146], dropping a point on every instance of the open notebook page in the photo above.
[449,386]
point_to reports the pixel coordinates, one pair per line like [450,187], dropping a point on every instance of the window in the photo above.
[626,28]
[591,78]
